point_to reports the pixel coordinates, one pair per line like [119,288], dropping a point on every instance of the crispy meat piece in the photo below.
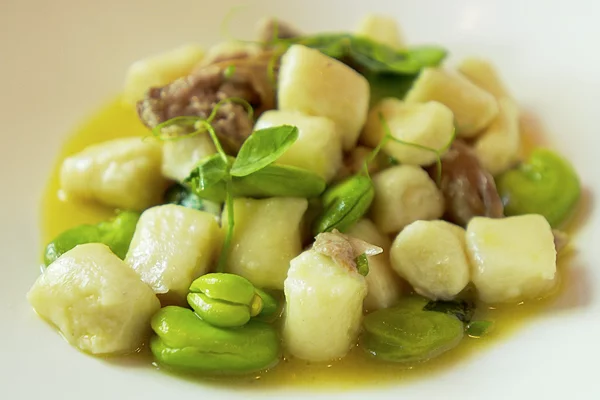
[469,190]
[198,93]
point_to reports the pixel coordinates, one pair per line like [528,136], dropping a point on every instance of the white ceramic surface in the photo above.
[61,59]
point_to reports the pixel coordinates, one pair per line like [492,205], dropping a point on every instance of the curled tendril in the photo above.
[183,121]
[388,136]
[200,125]
[234,100]
[226,22]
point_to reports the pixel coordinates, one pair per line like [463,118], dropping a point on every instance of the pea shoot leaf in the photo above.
[478,329]
[369,56]
[279,181]
[262,148]
[208,179]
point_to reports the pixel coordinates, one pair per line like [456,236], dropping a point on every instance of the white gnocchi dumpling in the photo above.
[266,236]
[324,307]
[431,256]
[180,157]
[499,146]
[122,173]
[404,194]
[173,245]
[482,73]
[96,301]
[384,288]
[159,70]
[315,84]
[318,148]
[474,109]
[381,29]
[513,259]
[429,124]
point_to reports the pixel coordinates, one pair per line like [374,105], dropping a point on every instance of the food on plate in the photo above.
[97,302]
[304,202]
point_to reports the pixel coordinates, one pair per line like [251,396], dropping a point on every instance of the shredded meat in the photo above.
[198,93]
[343,249]
[469,190]
[269,27]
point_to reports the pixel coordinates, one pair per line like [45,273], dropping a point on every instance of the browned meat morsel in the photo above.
[469,190]
[270,29]
[198,93]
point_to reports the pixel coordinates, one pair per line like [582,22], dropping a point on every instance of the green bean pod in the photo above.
[344,204]
[547,184]
[228,300]
[186,342]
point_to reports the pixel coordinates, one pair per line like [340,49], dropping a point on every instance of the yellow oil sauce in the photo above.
[356,369]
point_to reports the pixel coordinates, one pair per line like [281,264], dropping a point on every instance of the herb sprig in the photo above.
[221,177]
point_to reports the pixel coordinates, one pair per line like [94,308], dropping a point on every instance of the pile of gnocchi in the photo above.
[282,208]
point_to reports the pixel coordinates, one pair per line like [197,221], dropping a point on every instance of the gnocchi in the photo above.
[404,194]
[337,92]
[97,302]
[123,173]
[429,125]
[474,109]
[431,256]
[310,331]
[266,236]
[173,245]
[513,259]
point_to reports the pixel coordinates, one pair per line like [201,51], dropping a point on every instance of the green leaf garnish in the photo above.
[182,196]
[477,329]
[210,171]
[369,56]
[362,264]
[279,181]
[208,179]
[229,71]
[262,148]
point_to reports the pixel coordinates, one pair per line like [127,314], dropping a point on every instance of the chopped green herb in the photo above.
[477,329]
[362,264]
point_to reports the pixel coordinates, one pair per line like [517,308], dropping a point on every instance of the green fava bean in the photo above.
[228,287]
[186,342]
[345,203]
[269,304]
[116,234]
[547,184]
[219,313]
[404,335]
[228,300]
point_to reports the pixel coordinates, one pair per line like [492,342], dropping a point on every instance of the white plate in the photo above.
[61,59]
